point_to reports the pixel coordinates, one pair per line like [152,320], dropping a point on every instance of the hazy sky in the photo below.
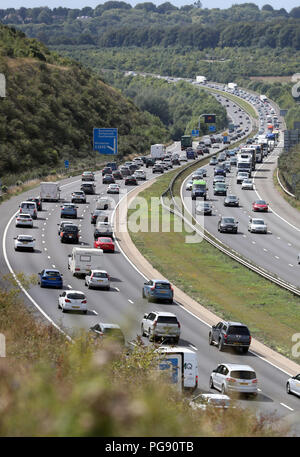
[287,4]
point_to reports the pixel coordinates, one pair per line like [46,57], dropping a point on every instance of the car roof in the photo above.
[75,291]
[163,313]
[96,270]
[216,396]
[237,366]
[52,269]
[25,236]
[106,325]
[161,280]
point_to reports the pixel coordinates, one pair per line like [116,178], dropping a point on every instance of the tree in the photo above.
[295,13]
[267,8]
[45,16]
[112,5]
[198,4]
[166,8]
[148,6]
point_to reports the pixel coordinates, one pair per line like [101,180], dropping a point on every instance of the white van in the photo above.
[84,259]
[28,208]
[103,203]
[189,365]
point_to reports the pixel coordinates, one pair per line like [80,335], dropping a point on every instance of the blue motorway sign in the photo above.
[67,164]
[212,128]
[225,139]
[195,132]
[105,141]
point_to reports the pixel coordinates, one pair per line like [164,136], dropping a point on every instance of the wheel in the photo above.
[220,346]
[63,310]
[210,339]
[211,383]
[245,350]
[58,305]
[108,288]
[142,330]
[143,294]
[170,301]
[85,311]
[223,390]
[288,388]
[151,337]
[176,340]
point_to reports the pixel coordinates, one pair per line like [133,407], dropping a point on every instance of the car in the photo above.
[222,157]
[257,225]
[219,171]
[108,179]
[88,187]
[158,289]
[117,174]
[28,207]
[234,378]
[78,197]
[241,176]
[182,158]
[24,220]
[197,176]
[218,178]
[189,185]
[103,229]
[206,150]
[203,171]
[260,205]
[149,162]
[98,279]
[227,166]
[231,200]
[69,210]
[38,202]
[96,213]
[88,176]
[159,324]
[133,167]
[293,385]
[213,161]
[103,203]
[205,401]
[72,300]
[140,175]
[108,331]
[247,184]
[230,334]
[199,150]
[220,188]
[50,278]
[227,224]
[113,189]
[125,171]
[104,243]
[131,181]
[107,171]
[69,233]
[24,242]
[215,146]
[204,208]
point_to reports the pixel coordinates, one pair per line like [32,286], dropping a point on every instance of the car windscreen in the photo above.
[258,222]
[54,274]
[161,285]
[200,186]
[228,220]
[231,197]
[243,374]
[167,320]
[75,296]
[238,330]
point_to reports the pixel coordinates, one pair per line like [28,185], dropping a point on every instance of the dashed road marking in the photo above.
[286,406]
[276,257]
[289,244]
[70,287]
[53,266]
[130,301]
[290,265]
[253,242]
[45,249]
[118,290]
[95,312]
[266,250]
[278,237]
[49,257]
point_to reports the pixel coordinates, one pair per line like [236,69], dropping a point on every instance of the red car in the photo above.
[260,205]
[104,243]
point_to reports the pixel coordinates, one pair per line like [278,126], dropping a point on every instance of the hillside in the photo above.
[52,106]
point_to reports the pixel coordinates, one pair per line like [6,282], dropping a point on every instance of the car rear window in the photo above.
[238,330]
[160,285]
[105,240]
[100,275]
[167,320]
[243,374]
[70,228]
[52,273]
[76,296]
[28,205]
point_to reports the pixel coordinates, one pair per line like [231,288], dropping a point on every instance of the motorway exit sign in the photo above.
[105,141]
[212,128]
[195,132]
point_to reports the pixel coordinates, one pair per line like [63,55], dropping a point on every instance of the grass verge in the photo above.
[216,281]
[290,200]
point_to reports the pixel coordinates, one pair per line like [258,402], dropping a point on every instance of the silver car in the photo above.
[24,220]
[233,377]
[293,385]
[160,325]
[257,225]
[98,279]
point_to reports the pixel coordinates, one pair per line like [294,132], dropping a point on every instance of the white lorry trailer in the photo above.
[201,79]
[158,151]
[50,191]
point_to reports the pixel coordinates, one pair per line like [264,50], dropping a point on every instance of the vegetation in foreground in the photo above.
[271,313]
[50,386]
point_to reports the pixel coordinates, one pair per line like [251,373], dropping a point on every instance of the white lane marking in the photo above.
[130,301]
[266,250]
[276,257]
[118,290]
[49,257]
[19,283]
[45,249]
[253,242]
[289,244]
[53,266]
[278,237]
[46,220]
[70,287]
[95,312]
[290,265]
[286,406]
[45,223]
[259,390]
[244,236]
[193,347]
[43,241]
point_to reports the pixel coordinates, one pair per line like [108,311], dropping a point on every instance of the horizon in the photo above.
[73,4]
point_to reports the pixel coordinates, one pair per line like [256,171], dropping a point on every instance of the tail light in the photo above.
[152,288]
[77,269]
[250,338]
[171,288]
[108,277]
[83,301]
[254,381]
[20,210]
[196,381]
[225,336]
[67,300]
[230,380]
[178,324]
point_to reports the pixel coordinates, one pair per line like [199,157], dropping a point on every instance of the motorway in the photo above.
[124,304]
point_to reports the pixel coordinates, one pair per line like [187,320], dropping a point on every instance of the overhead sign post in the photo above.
[105,141]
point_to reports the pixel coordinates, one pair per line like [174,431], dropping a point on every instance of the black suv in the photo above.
[149,162]
[232,334]
[69,233]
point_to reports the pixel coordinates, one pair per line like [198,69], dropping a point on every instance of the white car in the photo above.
[98,279]
[72,300]
[24,220]
[215,146]
[189,185]
[202,401]
[233,377]
[182,158]
[247,184]
[113,189]
[140,175]
[256,225]
[159,324]
[103,203]
[293,385]
[241,176]
[24,242]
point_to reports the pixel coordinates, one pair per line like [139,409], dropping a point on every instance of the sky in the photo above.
[287,4]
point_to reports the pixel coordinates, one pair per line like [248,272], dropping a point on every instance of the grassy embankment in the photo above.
[218,282]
